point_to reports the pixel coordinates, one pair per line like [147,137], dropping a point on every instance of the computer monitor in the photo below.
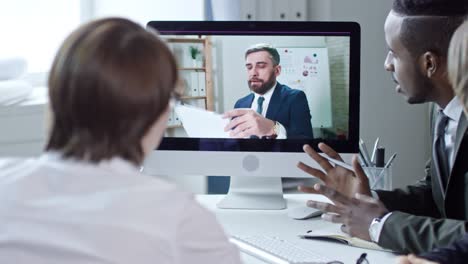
[320,60]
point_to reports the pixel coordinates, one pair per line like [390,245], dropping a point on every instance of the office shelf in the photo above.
[197,79]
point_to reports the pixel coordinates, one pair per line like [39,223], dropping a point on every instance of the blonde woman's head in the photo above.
[458,63]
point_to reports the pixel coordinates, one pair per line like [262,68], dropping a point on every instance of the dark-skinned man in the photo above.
[433,212]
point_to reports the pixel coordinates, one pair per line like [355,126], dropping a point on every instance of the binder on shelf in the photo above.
[298,10]
[198,103]
[187,55]
[266,12]
[170,120]
[176,119]
[178,52]
[202,103]
[281,10]
[201,84]
[247,10]
[186,78]
[193,83]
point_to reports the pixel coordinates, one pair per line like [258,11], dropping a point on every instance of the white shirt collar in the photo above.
[454,109]
[267,95]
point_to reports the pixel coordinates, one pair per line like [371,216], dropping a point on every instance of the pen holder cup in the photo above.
[379,178]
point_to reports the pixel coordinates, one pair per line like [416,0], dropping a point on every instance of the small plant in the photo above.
[194,52]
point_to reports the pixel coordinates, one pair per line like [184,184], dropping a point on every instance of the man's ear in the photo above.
[430,64]
[277,70]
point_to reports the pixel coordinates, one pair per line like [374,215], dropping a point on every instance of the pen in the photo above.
[381,174]
[389,162]
[339,163]
[365,153]
[366,165]
[362,258]
[375,149]
[363,160]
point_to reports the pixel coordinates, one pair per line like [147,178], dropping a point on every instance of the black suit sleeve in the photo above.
[415,231]
[407,233]
[414,199]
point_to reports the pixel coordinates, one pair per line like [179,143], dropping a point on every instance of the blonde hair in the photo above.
[458,63]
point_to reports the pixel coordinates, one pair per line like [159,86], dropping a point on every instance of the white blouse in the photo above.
[66,211]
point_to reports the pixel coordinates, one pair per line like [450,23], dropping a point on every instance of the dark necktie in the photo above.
[260,104]
[439,144]
[259,109]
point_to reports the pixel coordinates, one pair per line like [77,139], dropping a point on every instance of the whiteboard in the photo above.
[308,69]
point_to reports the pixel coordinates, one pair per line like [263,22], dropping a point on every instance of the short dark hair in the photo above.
[429,24]
[110,81]
[275,57]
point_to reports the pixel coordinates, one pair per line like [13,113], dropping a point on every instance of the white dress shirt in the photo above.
[66,211]
[282,134]
[453,110]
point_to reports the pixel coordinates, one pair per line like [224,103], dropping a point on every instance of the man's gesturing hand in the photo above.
[356,213]
[343,180]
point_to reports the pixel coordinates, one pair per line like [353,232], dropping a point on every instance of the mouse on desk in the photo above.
[303,212]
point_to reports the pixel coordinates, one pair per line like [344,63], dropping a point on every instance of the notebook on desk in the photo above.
[343,239]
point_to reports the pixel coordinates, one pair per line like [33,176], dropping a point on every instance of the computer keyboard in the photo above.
[277,250]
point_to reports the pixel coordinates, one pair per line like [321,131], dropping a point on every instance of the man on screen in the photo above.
[272,110]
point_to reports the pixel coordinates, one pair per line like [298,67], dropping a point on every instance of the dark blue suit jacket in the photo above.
[453,254]
[287,106]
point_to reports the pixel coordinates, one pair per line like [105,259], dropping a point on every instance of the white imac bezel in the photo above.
[255,181]
[256,175]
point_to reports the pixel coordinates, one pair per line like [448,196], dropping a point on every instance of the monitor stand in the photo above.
[245,192]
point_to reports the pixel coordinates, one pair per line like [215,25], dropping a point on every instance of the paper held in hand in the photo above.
[199,123]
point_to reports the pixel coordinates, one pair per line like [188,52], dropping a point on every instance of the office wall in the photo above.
[339,80]
[143,11]
[233,74]
[402,128]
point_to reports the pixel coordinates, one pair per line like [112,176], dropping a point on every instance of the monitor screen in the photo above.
[279,85]
[320,59]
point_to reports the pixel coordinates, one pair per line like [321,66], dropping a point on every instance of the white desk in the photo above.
[277,223]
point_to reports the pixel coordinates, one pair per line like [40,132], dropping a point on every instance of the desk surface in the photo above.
[277,223]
